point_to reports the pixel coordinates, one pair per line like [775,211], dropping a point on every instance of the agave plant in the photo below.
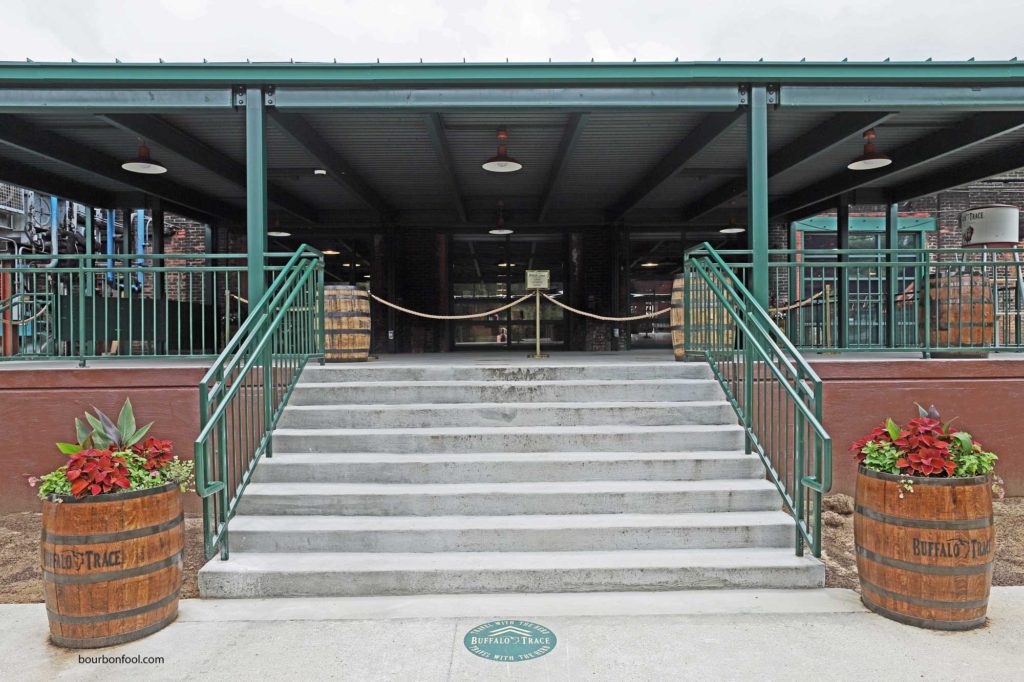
[104,434]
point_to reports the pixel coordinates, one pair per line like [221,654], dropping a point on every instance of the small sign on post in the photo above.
[538,279]
[535,281]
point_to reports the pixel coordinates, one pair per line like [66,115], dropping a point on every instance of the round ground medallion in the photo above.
[510,641]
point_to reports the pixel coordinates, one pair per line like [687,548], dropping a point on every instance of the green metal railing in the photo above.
[907,300]
[88,306]
[775,393]
[244,392]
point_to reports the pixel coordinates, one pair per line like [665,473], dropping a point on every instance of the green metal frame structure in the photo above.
[971,117]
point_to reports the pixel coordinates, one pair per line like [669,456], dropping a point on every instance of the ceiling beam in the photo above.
[995,163]
[435,130]
[307,137]
[18,173]
[30,138]
[818,140]
[963,135]
[705,132]
[158,131]
[570,137]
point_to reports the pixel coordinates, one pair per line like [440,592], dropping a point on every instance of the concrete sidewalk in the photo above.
[699,635]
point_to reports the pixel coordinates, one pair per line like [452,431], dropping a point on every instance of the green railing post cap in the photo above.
[510,641]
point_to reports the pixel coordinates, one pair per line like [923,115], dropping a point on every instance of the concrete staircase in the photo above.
[444,478]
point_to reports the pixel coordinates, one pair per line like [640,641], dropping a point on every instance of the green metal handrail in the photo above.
[775,393]
[242,396]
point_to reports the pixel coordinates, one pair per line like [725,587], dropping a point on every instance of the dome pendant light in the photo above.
[144,163]
[870,159]
[502,162]
[499,227]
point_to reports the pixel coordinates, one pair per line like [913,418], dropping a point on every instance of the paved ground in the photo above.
[709,635]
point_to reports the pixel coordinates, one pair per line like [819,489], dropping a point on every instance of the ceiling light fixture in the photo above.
[506,265]
[278,233]
[870,159]
[499,226]
[319,171]
[502,162]
[649,264]
[144,163]
[331,252]
[733,230]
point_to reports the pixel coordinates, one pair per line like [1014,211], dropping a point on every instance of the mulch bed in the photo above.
[21,577]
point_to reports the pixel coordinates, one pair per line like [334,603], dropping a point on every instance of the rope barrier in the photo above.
[604,317]
[450,317]
[21,323]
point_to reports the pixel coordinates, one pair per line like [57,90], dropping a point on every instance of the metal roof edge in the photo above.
[681,73]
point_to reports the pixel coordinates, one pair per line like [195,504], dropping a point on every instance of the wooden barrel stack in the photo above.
[962,312]
[112,565]
[710,326]
[347,310]
[925,559]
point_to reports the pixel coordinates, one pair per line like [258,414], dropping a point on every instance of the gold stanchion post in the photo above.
[536,316]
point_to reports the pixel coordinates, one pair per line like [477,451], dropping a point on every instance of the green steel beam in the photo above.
[18,173]
[962,135]
[892,241]
[757,190]
[255,192]
[157,130]
[43,143]
[968,97]
[706,98]
[570,138]
[696,141]
[1005,160]
[15,101]
[818,140]
[968,73]
[842,308]
[438,139]
[307,137]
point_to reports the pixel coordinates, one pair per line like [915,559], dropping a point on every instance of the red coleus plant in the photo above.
[156,451]
[93,472]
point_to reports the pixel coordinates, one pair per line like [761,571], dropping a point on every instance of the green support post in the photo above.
[757,190]
[843,272]
[255,191]
[892,278]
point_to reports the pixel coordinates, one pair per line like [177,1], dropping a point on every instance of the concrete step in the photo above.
[494,499]
[504,372]
[505,467]
[608,438]
[507,414]
[528,533]
[432,392]
[315,574]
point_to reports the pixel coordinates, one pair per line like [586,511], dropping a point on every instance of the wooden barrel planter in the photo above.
[925,559]
[962,313]
[112,565]
[347,310]
[710,326]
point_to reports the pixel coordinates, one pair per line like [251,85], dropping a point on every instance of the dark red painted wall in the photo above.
[987,396]
[38,407]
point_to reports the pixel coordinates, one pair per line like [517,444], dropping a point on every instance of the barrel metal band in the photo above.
[347,332]
[924,568]
[69,579]
[918,601]
[96,642]
[103,617]
[933,524]
[97,538]
[923,622]
[347,313]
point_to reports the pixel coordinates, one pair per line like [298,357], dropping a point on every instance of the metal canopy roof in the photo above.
[652,146]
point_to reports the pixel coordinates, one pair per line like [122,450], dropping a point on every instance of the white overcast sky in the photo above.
[524,30]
